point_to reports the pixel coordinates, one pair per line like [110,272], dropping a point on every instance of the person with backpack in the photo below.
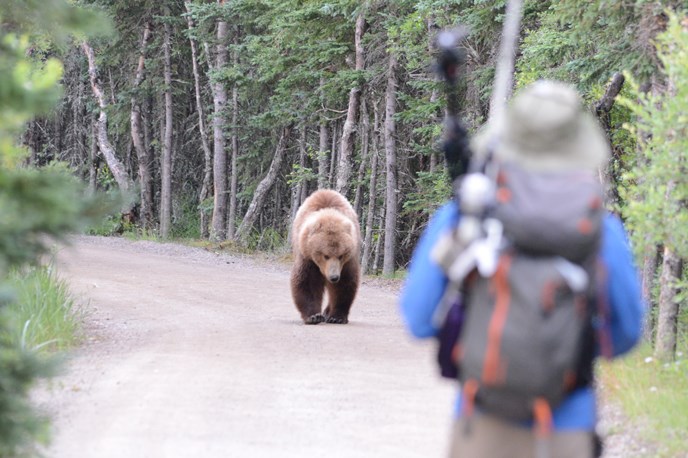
[530,278]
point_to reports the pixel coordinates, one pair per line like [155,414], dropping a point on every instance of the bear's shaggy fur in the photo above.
[326,245]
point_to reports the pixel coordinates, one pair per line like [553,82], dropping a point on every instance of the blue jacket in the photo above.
[426,282]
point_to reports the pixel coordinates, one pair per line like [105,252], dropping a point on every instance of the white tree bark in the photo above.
[231,218]
[120,174]
[667,321]
[346,148]
[207,153]
[145,179]
[388,265]
[166,160]
[261,192]
[504,74]
[323,151]
[218,229]
[365,136]
[372,199]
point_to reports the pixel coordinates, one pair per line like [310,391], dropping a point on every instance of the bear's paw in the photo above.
[337,319]
[315,319]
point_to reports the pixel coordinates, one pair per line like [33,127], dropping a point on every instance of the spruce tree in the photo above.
[37,206]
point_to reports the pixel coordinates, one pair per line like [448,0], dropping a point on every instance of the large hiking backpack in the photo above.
[527,338]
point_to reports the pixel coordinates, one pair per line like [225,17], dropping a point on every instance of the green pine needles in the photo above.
[657,184]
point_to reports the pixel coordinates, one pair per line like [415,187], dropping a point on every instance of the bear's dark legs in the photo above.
[307,288]
[341,294]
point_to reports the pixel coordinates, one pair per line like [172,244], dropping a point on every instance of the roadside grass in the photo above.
[44,313]
[655,395]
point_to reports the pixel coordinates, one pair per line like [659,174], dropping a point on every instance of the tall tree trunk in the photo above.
[665,344]
[434,119]
[365,131]
[218,230]
[333,157]
[262,190]
[231,219]
[647,277]
[120,174]
[603,109]
[303,163]
[381,238]
[388,265]
[166,163]
[145,181]
[372,199]
[92,158]
[323,153]
[346,149]
[207,153]
[504,74]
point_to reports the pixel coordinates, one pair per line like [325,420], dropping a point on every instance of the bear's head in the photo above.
[330,240]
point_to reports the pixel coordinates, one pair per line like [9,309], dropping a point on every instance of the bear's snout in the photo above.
[333,270]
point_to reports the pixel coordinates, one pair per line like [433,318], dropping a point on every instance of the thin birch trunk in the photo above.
[504,74]
[346,148]
[120,174]
[207,153]
[218,229]
[323,153]
[303,163]
[389,266]
[667,320]
[234,174]
[372,199]
[299,189]
[333,158]
[365,136]
[261,192]
[166,159]
[647,278]
[145,181]
[381,238]
[432,32]
[92,158]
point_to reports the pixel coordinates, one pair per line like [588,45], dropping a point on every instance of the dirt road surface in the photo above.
[189,353]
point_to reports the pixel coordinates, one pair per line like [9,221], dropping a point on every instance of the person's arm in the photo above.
[626,308]
[425,282]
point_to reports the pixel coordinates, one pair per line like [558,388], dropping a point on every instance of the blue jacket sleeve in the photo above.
[425,282]
[626,308]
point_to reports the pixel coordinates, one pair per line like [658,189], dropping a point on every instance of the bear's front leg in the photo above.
[341,294]
[307,288]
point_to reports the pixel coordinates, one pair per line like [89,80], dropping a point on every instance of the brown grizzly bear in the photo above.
[326,244]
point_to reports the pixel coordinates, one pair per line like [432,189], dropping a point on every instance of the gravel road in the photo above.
[191,353]
[195,354]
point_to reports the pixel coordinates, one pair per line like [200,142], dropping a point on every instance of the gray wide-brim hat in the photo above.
[546,128]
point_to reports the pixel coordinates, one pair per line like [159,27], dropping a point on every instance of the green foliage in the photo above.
[20,427]
[36,205]
[654,395]
[56,20]
[300,174]
[186,223]
[433,189]
[657,187]
[585,46]
[43,310]
[268,239]
[39,203]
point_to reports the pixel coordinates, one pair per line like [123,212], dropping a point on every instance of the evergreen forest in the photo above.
[215,119]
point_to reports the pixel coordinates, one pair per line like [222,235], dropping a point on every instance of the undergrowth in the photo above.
[654,394]
[43,311]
